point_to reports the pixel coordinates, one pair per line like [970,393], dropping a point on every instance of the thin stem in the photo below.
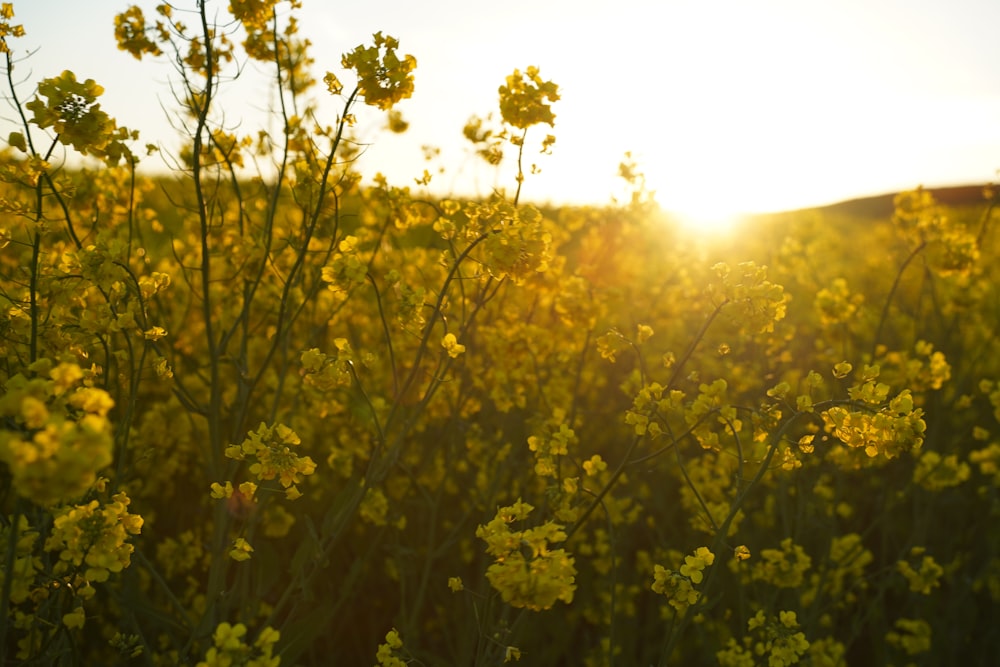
[520,171]
[892,292]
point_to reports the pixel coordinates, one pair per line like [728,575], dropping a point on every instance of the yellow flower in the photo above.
[594,465]
[333,84]
[925,579]
[383,77]
[452,346]
[130,32]
[842,370]
[219,491]
[241,550]
[70,108]
[524,99]
[527,572]
[74,619]
[913,635]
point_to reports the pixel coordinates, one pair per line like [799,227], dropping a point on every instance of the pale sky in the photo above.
[728,106]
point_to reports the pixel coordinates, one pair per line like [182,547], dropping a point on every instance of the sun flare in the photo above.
[706,221]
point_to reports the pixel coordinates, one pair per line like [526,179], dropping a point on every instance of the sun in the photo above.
[696,195]
[706,221]
[703,210]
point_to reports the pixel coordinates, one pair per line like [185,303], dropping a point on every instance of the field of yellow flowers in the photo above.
[263,413]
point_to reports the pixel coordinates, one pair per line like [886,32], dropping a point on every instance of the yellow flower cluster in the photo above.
[326,371]
[388,653]
[927,577]
[920,220]
[842,576]
[678,586]
[552,445]
[519,246]
[779,640]
[130,33]
[383,77]
[526,571]
[71,109]
[6,29]
[925,368]
[374,507]
[711,401]
[913,635]
[836,304]
[784,567]
[988,461]
[650,409]
[57,435]
[935,472]
[230,648]
[95,537]
[347,268]
[269,449]
[895,427]
[757,302]
[524,99]
[252,13]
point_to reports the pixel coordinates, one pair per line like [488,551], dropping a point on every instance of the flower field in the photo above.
[262,411]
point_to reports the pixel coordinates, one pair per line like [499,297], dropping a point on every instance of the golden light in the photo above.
[707,222]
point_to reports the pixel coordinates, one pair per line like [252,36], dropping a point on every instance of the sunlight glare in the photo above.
[706,221]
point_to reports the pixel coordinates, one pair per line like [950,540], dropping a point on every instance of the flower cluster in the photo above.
[756,302]
[913,635]
[650,409]
[935,472]
[389,653]
[836,304]
[779,640]
[711,401]
[518,246]
[927,577]
[270,450]
[57,435]
[895,427]
[326,371]
[383,77]
[95,537]
[785,567]
[71,109]
[678,586]
[552,445]
[988,461]
[347,268]
[842,575]
[525,98]
[130,33]
[6,29]
[252,13]
[230,648]
[526,571]
[923,222]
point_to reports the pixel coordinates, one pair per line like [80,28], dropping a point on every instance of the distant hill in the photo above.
[880,206]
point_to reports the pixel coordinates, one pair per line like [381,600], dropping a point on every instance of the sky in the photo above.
[727,106]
